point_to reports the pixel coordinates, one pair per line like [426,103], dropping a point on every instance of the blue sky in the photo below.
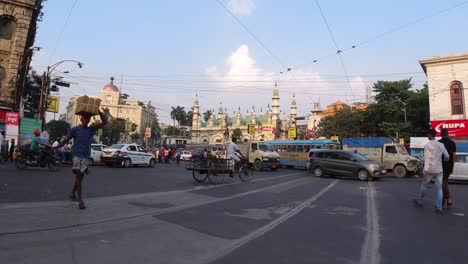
[166,51]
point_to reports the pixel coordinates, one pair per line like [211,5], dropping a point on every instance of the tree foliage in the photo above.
[57,128]
[206,115]
[385,117]
[237,133]
[171,131]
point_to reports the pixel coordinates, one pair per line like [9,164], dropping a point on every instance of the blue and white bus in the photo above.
[294,153]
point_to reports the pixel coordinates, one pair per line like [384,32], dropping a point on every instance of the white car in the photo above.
[186,155]
[127,155]
[96,151]
[460,170]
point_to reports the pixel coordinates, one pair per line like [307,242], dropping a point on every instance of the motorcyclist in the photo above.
[34,149]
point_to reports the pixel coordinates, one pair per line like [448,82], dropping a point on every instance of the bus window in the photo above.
[312,147]
[306,148]
[299,148]
[318,147]
[291,148]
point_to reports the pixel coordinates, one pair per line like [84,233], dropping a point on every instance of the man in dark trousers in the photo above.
[11,149]
[451,148]
[82,136]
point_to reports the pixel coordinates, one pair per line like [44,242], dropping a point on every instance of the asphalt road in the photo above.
[160,215]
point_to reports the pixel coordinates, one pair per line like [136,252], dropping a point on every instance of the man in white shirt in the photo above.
[233,151]
[433,170]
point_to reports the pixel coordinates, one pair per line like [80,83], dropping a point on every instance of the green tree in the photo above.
[237,133]
[206,115]
[345,123]
[56,129]
[171,131]
[279,129]
[188,118]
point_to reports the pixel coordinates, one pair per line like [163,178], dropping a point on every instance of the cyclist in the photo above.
[234,153]
[34,149]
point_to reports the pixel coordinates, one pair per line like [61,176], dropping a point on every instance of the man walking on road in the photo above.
[11,150]
[451,148]
[433,152]
[82,136]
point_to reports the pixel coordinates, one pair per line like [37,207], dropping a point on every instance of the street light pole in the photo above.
[45,87]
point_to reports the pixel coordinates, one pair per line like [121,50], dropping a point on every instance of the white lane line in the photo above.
[370,248]
[259,232]
[131,196]
[156,212]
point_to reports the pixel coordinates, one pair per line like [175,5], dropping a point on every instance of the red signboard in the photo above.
[456,128]
[12,119]
[2,114]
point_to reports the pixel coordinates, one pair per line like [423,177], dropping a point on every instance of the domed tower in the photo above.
[275,105]
[253,116]
[110,94]
[221,115]
[293,114]
[196,114]
[270,115]
[238,118]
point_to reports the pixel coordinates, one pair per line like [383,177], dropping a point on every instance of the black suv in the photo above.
[344,163]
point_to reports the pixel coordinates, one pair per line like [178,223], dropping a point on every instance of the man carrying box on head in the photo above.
[82,136]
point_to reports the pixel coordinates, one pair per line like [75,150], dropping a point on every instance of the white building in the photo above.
[447,76]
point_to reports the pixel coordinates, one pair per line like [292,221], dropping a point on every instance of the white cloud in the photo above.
[241,7]
[241,82]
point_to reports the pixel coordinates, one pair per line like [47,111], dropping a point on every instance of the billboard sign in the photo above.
[456,128]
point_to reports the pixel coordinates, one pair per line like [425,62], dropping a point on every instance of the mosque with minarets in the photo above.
[220,126]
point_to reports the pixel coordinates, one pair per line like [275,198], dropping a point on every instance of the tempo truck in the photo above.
[381,149]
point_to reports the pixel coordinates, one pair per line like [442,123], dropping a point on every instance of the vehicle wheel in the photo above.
[200,175]
[109,164]
[246,173]
[289,166]
[127,163]
[274,169]
[20,163]
[215,175]
[91,162]
[151,163]
[258,165]
[399,171]
[54,164]
[363,175]
[318,172]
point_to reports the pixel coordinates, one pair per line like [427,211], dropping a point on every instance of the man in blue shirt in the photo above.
[82,136]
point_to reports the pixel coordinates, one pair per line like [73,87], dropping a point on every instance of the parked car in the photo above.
[344,163]
[96,152]
[460,170]
[186,155]
[127,155]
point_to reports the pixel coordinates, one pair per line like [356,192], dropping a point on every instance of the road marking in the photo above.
[259,232]
[155,213]
[458,214]
[131,196]
[370,248]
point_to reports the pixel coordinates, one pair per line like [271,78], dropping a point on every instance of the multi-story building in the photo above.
[446,77]
[137,112]
[17,31]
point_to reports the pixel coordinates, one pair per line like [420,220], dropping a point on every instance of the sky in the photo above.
[232,52]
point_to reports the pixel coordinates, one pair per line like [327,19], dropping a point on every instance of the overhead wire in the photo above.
[390,31]
[59,38]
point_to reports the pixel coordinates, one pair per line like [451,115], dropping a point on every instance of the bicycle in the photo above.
[218,168]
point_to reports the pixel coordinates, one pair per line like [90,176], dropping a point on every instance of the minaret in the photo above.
[293,114]
[275,105]
[238,118]
[253,115]
[196,114]
[270,115]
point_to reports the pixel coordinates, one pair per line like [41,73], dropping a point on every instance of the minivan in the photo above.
[344,163]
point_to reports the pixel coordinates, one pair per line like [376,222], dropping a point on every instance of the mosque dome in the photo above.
[111,87]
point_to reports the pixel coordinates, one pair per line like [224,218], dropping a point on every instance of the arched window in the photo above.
[456,98]
[6,28]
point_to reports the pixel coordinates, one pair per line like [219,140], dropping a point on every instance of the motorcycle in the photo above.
[51,159]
